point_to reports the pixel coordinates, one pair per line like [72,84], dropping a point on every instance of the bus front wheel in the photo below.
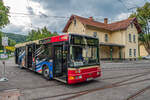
[45,71]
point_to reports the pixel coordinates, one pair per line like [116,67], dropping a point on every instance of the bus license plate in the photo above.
[88,79]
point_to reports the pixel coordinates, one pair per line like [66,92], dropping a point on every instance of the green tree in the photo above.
[143,16]
[11,42]
[3,14]
[3,19]
[1,47]
[40,34]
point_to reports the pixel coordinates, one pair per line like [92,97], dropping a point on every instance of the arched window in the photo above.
[130,52]
[130,38]
[75,22]
[134,38]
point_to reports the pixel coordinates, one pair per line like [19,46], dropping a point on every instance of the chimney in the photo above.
[91,18]
[105,20]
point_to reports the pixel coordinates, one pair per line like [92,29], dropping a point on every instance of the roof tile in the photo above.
[109,27]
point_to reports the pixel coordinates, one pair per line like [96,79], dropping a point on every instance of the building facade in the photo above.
[118,40]
[142,50]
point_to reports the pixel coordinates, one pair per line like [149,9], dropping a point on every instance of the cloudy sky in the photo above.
[32,14]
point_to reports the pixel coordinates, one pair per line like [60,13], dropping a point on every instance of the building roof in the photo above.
[120,25]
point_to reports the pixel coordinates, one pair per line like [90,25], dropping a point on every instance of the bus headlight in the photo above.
[71,77]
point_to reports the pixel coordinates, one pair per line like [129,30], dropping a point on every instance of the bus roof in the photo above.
[26,43]
[58,38]
[53,39]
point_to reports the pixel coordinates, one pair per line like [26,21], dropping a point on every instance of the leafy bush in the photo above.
[140,57]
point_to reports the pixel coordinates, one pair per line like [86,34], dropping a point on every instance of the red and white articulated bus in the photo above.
[70,58]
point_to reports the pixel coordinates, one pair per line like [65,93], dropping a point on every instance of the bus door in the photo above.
[60,63]
[30,54]
[58,60]
[64,62]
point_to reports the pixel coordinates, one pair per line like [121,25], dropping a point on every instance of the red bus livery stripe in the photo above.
[58,38]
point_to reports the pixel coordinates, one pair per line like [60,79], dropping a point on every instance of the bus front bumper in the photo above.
[72,79]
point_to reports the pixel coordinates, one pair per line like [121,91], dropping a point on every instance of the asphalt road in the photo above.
[33,86]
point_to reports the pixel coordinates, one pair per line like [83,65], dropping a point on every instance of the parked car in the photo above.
[147,57]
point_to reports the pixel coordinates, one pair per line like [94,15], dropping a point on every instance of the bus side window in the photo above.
[46,52]
[41,54]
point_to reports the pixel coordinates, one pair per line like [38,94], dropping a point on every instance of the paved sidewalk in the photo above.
[13,94]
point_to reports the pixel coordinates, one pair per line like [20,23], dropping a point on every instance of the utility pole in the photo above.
[4,56]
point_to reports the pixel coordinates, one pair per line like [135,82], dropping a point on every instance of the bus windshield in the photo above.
[83,55]
[83,51]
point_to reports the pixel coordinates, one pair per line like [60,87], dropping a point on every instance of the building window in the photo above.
[130,52]
[130,38]
[106,37]
[134,39]
[75,22]
[134,52]
[95,34]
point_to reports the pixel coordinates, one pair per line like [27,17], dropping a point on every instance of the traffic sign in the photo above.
[3,56]
[5,41]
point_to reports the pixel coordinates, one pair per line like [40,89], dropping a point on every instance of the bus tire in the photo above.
[46,72]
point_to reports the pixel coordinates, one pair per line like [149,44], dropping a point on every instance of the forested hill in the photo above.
[17,37]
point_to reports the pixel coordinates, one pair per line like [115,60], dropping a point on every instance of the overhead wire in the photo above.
[123,4]
[21,14]
[44,15]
